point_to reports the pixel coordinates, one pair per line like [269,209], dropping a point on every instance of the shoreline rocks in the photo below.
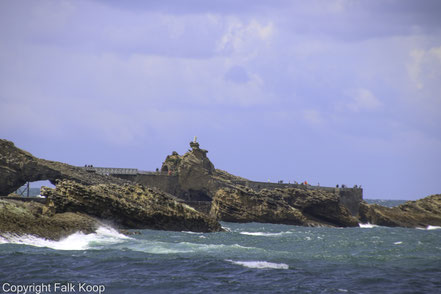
[284,206]
[411,214]
[128,207]
[29,218]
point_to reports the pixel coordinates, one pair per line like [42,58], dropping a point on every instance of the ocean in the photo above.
[248,258]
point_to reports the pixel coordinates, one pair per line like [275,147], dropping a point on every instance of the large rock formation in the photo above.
[18,218]
[195,173]
[420,213]
[81,198]
[18,167]
[128,206]
[286,206]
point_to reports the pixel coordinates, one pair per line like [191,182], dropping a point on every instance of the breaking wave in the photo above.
[367,226]
[265,234]
[429,228]
[260,264]
[77,241]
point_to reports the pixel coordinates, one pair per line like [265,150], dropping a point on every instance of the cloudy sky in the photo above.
[336,92]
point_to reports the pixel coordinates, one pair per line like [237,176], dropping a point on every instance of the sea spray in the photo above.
[77,241]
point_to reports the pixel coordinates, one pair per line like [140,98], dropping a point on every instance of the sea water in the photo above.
[247,258]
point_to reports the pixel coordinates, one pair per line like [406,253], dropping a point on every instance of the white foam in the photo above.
[260,264]
[429,228]
[227,229]
[158,247]
[367,226]
[398,243]
[433,227]
[76,241]
[193,233]
[265,234]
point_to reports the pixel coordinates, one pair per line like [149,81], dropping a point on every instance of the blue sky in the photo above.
[336,92]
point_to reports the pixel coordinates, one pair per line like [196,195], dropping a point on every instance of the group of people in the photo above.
[344,186]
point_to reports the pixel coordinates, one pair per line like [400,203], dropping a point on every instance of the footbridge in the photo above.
[109,171]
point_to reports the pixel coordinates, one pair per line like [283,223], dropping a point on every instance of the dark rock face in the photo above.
[420,213]
[129,206]
[18,167]
[286,206]
[18,218]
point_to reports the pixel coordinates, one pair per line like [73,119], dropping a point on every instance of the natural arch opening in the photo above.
[32,189]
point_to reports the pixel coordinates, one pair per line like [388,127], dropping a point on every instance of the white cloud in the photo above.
[363,100]
[244,38]
[414,67]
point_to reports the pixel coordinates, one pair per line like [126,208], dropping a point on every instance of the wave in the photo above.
[77,241]
[367,226]
[192,233]
[158,247]
[265,234]
[433,227]
[429,228]
[260,264]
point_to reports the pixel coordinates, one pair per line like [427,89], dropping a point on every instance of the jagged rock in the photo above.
[195,173]
[18,167]
[19,218]
[129,206]
[286,206]
[419,213]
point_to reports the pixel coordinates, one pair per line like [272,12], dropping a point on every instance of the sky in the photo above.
[331,92]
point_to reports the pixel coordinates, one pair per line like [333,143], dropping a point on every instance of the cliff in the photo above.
[285,206]
[419,213]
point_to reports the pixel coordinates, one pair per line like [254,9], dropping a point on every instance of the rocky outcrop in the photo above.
[18,167]
[128,206]
[285,206]
[195,172]
[420,213]
[19,218]
[81,198]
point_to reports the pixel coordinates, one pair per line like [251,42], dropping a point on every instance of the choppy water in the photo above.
[260,258]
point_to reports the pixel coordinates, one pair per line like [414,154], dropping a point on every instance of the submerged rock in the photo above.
[419,213]
[285,206]
[31,218]
[129,206]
